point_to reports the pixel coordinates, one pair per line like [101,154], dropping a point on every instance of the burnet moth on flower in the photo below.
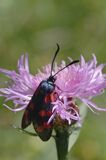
[39,109]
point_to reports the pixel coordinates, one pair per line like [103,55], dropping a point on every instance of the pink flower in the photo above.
[81,81]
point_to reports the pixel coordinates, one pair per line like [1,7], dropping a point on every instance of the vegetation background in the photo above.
[35,26]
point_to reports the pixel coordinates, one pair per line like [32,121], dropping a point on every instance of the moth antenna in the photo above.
[76,61]
[58,48]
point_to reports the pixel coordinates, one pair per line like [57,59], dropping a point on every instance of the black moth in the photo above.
[39,109]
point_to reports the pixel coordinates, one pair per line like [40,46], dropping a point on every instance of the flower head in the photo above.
[82,81]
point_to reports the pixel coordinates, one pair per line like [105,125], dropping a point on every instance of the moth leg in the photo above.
[28,133]
[25,131]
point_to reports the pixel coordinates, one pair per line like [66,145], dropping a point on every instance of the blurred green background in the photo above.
[35,26]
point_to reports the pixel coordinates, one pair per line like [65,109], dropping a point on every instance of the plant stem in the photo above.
[61,140]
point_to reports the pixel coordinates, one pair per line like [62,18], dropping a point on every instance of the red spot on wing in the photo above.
[49,113]
[42,113]
[46,125]
[47,99]
[54,96]
[40,128]
[51,97]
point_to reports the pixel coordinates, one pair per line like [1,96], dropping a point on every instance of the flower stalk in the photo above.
[62,140]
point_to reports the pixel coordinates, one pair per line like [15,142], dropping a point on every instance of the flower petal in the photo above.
[93,105]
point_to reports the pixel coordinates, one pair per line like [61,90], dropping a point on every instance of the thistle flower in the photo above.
[80,81]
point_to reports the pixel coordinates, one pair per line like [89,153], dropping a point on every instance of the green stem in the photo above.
[61,140]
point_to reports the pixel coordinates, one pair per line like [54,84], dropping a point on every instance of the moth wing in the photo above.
[29,112]
[27,117]
[41,125]
[44,132]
